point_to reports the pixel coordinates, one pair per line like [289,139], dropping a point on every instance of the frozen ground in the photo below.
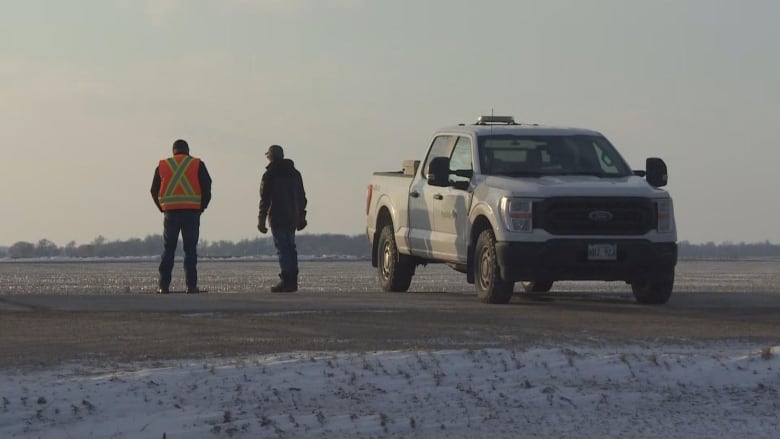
[567,392]
[330,276]
[718,390]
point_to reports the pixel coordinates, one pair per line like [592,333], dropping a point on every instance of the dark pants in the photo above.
[284,241]
[186,222]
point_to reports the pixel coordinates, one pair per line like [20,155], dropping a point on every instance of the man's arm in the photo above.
[301,202]
[156,182]
[265,203]
[301,194]
[205,186]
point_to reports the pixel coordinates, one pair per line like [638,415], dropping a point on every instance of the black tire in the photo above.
[653,290]
[395,270]
[537,286]
[491,288]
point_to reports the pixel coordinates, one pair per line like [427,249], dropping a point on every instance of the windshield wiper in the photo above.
[593,173]
[519,173]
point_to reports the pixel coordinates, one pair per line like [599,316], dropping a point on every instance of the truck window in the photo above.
[439,148]
[461,158]
[550,155]
[593,156]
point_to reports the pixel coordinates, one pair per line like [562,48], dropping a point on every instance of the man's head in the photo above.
[181,147]
[274,153]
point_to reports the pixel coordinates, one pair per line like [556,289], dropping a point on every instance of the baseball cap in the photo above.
[275,151]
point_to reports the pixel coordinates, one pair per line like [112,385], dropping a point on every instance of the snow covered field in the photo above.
[567,392]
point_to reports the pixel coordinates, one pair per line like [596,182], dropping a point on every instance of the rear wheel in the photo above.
[537,286]
[653,290]
[491,288]
[395,270]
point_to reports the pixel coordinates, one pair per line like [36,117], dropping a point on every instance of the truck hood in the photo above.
[574,186]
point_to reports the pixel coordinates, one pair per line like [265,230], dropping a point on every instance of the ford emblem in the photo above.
[600,216]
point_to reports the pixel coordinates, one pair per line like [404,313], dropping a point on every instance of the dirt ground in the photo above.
[41,330]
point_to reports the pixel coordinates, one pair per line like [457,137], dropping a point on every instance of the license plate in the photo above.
[602,252]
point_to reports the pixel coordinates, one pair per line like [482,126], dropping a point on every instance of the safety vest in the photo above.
[179,183]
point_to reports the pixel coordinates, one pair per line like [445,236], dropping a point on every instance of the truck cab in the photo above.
[505,202]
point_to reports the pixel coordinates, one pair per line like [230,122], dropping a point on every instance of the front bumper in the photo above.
[567,259]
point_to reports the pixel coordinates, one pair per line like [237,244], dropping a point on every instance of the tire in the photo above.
[537,286]
[654,290]
[491,288]
[394,269]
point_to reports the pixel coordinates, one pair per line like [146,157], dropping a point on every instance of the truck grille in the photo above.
[595,216]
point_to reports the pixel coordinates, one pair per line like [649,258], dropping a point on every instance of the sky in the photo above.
[94,92]
[621,391]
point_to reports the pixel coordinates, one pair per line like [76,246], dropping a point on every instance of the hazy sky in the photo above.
[94,92]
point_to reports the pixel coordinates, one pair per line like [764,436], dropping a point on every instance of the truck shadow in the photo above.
[575,296]
[762,302]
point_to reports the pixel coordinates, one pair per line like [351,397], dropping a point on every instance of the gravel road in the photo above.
[49,329]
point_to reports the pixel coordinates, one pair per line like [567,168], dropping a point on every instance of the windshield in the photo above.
[525,155]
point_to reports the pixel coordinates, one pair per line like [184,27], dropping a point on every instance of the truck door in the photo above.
[450,235]
[422,201]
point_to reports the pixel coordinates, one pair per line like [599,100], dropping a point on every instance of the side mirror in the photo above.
[656,172]
[439,172]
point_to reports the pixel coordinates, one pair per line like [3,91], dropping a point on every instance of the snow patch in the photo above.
[577,392]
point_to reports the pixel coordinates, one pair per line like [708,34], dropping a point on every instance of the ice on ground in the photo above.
[567,392]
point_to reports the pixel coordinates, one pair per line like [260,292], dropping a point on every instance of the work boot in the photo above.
[161,290]
[286,285]
[293,282]
[193,290]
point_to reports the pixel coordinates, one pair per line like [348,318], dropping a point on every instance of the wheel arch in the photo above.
[481,223]
[383,218]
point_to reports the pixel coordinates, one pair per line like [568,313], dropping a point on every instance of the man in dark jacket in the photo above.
[181,189]
[283,203]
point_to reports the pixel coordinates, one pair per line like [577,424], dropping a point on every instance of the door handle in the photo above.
[414,194]
[438,197]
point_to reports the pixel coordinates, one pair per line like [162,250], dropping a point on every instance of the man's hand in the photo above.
[261,224]
[301,221]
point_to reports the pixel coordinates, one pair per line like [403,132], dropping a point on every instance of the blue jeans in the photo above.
[186,222]
[284,241]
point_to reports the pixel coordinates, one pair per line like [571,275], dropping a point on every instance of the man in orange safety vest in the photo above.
[181,189]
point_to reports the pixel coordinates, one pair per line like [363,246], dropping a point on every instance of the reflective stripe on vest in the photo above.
[179,183]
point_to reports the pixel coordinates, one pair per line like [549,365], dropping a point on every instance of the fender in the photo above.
[400,227]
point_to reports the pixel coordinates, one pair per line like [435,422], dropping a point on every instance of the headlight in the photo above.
[518,214]
[665,215]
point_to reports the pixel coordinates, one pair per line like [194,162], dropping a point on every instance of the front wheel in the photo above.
[491,288]
[653,290]
[395,270]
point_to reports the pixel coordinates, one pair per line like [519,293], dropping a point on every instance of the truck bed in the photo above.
[393,174]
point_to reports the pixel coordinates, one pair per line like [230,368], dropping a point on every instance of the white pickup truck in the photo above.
[505,202]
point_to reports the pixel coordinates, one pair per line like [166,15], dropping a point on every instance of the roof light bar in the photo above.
[487,120]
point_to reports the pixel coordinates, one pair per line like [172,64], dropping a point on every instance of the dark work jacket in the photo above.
[205,186]
[282,197]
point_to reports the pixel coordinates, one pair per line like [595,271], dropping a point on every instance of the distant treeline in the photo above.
[313,245]
[729,250]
